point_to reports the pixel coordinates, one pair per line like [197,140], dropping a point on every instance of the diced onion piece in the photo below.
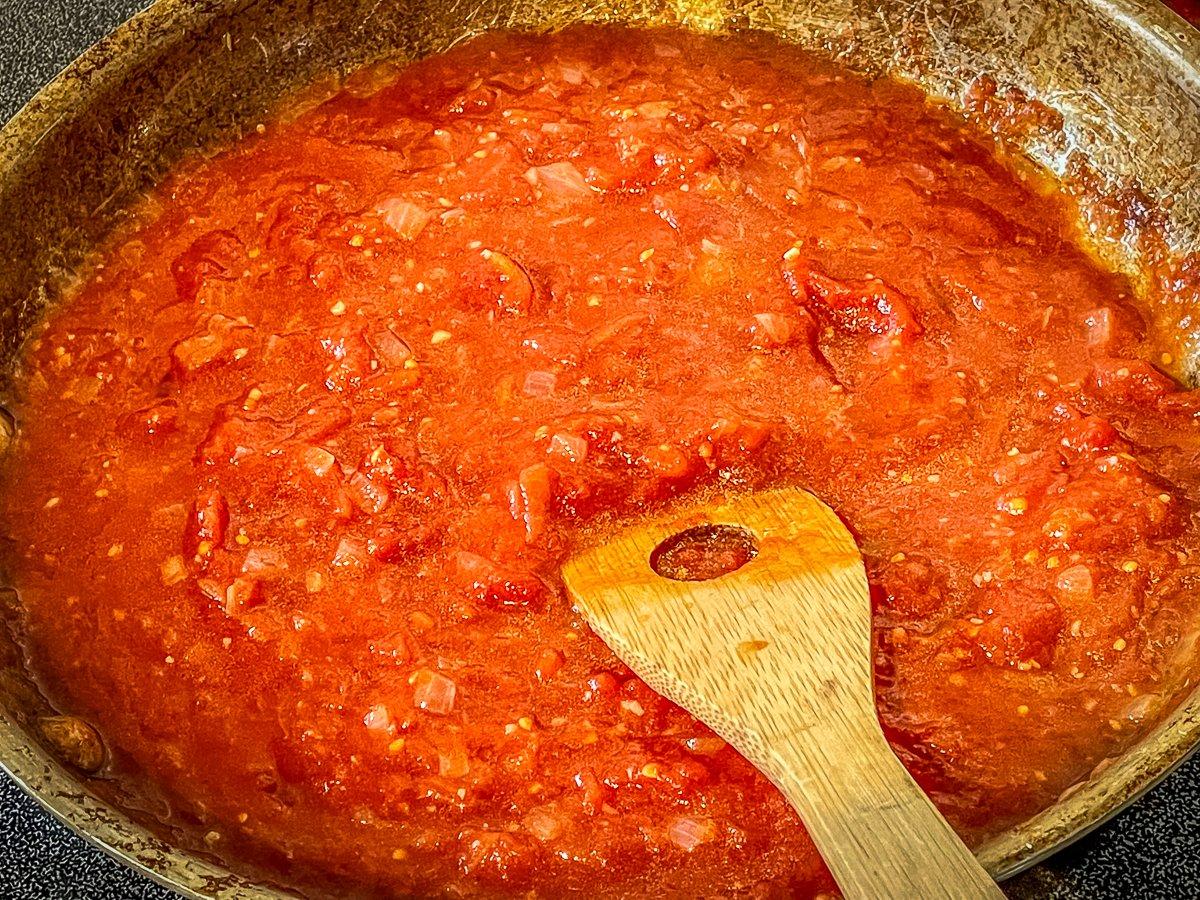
[654,109]
[455,764]
[1065,522]
[595,792]
[406,219]
[197,351]
[623,326]
[708,745]
[543,822]
[1139,707]
[378,719]
[393,351]
[691,833]
[769,330]
[209,519]
[1130,380]
[499,588]
[570,447]
[532,499]
[666,461]
[172,570]
[633,706]
[244,593]
[1099,324]
[371,494]
[511,284]
[213,590]
[539,384]
[351,552]
[84,390]
[474,567]
[433,692]
[318,460]
[263,561]
[560,178]
[1075,584]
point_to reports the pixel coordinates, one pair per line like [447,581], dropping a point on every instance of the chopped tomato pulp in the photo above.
[298,464]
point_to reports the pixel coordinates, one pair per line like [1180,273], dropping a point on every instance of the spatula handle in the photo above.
[878,832]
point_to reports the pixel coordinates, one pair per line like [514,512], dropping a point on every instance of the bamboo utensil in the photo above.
[753,613]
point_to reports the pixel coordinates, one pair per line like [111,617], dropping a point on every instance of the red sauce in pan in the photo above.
[298,464]
[1189,9]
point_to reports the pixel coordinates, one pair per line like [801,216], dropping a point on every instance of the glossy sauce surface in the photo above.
[298,464]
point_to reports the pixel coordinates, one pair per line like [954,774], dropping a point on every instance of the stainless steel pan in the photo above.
[1123,75]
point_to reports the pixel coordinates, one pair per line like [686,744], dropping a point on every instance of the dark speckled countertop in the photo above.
[1151,850]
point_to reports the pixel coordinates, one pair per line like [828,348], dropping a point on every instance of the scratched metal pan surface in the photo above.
[190,74]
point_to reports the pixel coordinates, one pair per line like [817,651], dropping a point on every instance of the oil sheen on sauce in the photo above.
[297,464]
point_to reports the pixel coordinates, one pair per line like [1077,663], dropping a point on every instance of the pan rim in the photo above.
[67,798]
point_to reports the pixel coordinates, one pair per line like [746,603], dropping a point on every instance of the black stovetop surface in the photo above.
[1148,851]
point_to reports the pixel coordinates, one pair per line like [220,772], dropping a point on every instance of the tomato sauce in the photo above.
[299,461]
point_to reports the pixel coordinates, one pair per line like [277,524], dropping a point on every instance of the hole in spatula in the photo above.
[703,552]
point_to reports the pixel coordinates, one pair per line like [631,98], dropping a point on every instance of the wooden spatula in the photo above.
[775,656]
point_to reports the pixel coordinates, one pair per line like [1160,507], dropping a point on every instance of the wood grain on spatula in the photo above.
[775,657]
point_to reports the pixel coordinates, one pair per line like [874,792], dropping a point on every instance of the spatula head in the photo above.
[796,612]
[774,655]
